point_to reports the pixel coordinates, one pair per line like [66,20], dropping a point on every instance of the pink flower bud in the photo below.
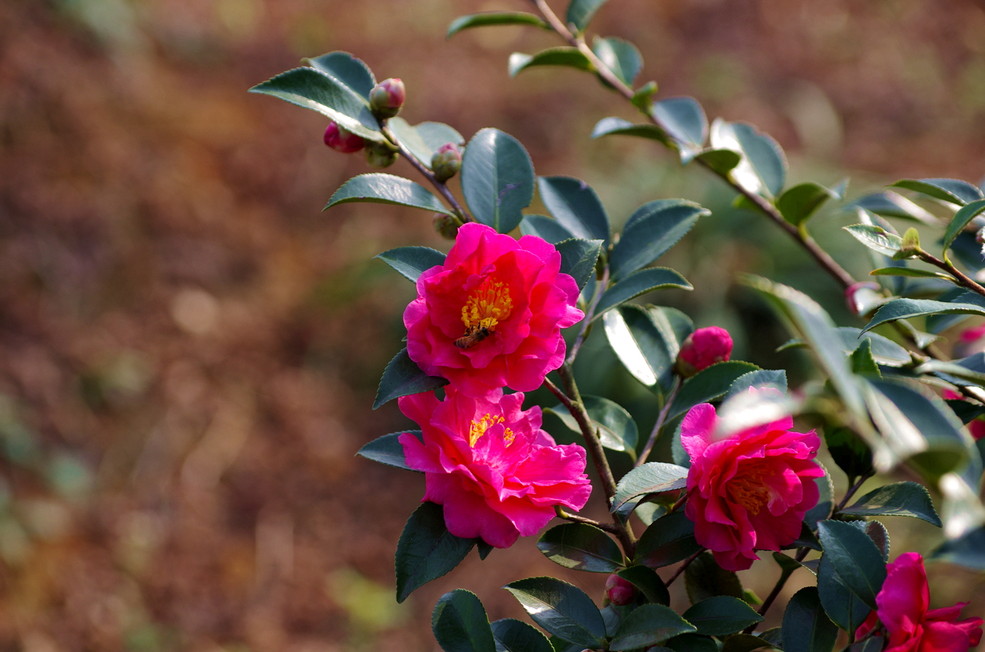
[703,348]
[619,591]
[446,162]
[387,98]
[342,140]
[862,297]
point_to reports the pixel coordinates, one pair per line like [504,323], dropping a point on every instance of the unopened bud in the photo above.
[863,297]
[380,155]
[446,225]
[387,98]
[703,348]
[341,139]
[446,162]
[619,591]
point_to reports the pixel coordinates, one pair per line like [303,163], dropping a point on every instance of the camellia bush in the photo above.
[726,480]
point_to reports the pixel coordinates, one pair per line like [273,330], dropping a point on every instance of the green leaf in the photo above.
[424,139]
[806,628]
[637,283]
[854,557]
[386,189]
[401,377]
[621,57]
[646,340]
[909,308]
[426,550]
[347,69]
[746,643]
[967,550]
[898,499]
[961,219]
[863,364]
[580,13]
[953,191]
[763,169]
[876,238]
[562,609]
[891,204]
[650,231]
[578,258]
[884,351]
[494,18]
[460,624]
[497,179]
[707,385]
[648,582]
[910,272]
[315,90]
[691,643]
[411,262]
[619,127]
[721,161]
[704,578]
[798,203]
[576,206]
[649,478]
[387,450]
[647,625]
[666,541]
[685,122]
[517,636]
[545,227]
[721,615]
[566,57]
[848,451]
[616,427]
[581,547]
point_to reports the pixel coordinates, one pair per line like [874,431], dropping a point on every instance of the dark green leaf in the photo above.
[848,451]
[884,351]
[312,89]
[566,57]
[578,258]
[898,499]
[649,478]
[647,625]
[621,57]
[746,643]
[517,636]
[953,191]
[637,283]
[721,615]
[721,161]
[961,219]
[494,18]
[685,122]
[692,643]
[617,429]
[575,205]
[412,261]
[347,69]
[580,13]
[654,228]
[842,606]
[619,127]
[708,384]
[497,179]
[891,204]
[401,377]
[863,364]
[387,450]
[460,624]
[582,547]
[426,550]
[424,139]
[798,203]
[763,169]
[648,582]
[666,541]
[704,578]
[806,628]
[854,558]
[910,272]
[561,609]
[387,189]
[968,550]
[544,227]
[646,340]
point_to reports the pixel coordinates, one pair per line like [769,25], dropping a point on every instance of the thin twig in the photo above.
[963,279]
[575,518]
[589,315]
[661,418]
[683,567]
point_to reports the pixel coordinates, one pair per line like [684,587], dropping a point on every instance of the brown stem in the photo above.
[963,279]
[575,518]
[661,418]
[459,210]
[683,567]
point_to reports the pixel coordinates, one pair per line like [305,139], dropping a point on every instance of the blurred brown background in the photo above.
[189,347]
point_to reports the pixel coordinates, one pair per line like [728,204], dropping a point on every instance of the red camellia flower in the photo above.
[703,348]
[747,490]
[491,315]
[902,607]
[497,474]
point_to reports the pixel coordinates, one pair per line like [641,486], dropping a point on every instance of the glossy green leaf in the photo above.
[488,18]
[806,628]
[460,624]
[722,161]
[721,615]
[566,57]
[619,127]
[799,203]
[774,378]
[646,340]
[909,308]
[891,204]
[426,550]
[401,377]
[953,191]
[561,609]
[967,550]
[347,69]
[580,13]
[424,139]
[497,179]
[545,227]
[910,272]
[704,578]
[961,219]
[897,499]
[863,364]
[649,478]
[876,238]
[885,351]
[647,625]
[617,429]
[666,541]
[647,582]
[650,231]
[746,643]
[576,206]
[685,122]
[854,558]
[578,258]
[581,547]
[621,57]
[411,262]
[387,189]
[763,169]
[387,450]
[315,90]
[708,384]
[637,283]
[517,636]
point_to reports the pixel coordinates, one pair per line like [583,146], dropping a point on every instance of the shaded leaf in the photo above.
[411,262]
[647,625]
[721,161]
[545,227]
[666,541]
[578,258]
[401,377]
[967,550]
[517,636]
[388,450]
[426,549]
[617,429]
[581,547]
[961,219]
[708,385]
[487,18]
[704,578]
[798,203]
[497,179]
[560,608]
[854,558]
[567,57]
[460,624]
[806,628]
[620,56]
[620,127]
[580,13]
[387,189]
[637,283]
[685,122]
[576,206]
[646,340]
[648,582]
[897,499]
[649,478]
[347,69]
[650,231]
[908,308]
[953,191]
[763,169]
[721,615]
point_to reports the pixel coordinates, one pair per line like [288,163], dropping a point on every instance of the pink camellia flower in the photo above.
[497,474]
[341,139]
[902,607]
[970,341]
[491,315]
[619,591]
[747,490]
[703,348]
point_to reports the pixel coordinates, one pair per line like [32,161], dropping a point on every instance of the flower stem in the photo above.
[960,277]
[683,567]
[661,418]
[575,518]
[586,322]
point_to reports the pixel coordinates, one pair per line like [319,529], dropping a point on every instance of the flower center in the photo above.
[750,491]
[488,305]
[480,426]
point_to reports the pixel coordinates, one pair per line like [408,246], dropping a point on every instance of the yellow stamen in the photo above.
[479,428]
[750,491]
[488,305]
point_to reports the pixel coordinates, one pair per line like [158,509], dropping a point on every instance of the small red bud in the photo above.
[387,98]
[862,297]
[380,155]
[342,140]
[703,348]
[446,162]
[619,591]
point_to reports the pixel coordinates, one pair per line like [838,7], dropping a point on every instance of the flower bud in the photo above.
[341,139]
[703,348]
[863,297]
[446,225]
[380,155]
[387,97]
[446,162]
[619,591]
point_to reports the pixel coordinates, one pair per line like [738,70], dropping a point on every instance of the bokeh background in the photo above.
[189,348]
